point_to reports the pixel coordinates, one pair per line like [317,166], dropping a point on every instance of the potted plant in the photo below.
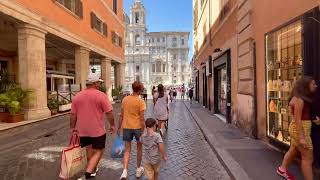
[64,106]
[11,101]
[53,105]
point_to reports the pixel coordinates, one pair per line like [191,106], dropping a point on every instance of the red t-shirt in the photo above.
[89,106]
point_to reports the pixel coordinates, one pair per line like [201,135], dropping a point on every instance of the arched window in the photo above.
[138,39]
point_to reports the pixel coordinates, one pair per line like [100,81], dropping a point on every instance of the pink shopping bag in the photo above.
[73,158]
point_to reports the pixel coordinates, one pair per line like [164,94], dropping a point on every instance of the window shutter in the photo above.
[105,29]
[79,8]
[113,37]
[120,41]
[93,19]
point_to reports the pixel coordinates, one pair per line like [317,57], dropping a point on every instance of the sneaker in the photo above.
[285,174]
[124,175]
[139,172]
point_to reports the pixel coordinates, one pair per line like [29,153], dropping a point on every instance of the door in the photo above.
[221,90]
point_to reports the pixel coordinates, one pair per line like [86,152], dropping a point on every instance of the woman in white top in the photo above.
[161,110]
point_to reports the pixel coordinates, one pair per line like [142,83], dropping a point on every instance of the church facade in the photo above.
[154,57]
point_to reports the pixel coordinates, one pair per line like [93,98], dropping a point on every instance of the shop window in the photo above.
[98,24]
[222,90]
[75,6]
[284,66]
[115,6]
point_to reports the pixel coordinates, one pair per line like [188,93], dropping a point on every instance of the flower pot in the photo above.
[14,118]
[54,111]
[4,116]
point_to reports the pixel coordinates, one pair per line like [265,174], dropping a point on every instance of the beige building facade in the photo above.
[248,56]
[66,39]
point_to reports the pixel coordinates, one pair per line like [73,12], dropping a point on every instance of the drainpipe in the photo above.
[255,131]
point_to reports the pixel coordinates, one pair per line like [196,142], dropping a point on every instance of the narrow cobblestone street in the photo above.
[190,157]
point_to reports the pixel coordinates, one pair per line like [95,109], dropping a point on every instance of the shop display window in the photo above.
[284,66]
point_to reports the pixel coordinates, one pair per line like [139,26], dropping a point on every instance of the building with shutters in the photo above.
[154,57]
[248,55]
[61,37]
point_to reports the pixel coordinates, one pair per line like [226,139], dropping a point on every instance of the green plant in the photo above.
[103,87]
[13,99]
[53,104]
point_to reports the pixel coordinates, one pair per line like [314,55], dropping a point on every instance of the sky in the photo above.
[167,15]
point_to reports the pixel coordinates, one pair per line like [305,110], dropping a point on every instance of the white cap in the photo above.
[92,78]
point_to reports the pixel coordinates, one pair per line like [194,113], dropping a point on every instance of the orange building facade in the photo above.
[252,54]
[61,37]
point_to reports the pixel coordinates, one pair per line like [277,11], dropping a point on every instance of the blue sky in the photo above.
[167,15]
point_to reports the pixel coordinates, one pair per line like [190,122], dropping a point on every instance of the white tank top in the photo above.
[160,109]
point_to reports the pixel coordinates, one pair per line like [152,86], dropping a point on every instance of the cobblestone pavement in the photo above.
[190,157]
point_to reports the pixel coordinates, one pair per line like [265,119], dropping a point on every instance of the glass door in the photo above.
[222,90]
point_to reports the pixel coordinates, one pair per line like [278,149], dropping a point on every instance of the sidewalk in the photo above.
[243,157]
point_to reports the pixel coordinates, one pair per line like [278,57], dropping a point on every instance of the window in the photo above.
[174,56]
[137,18]
[74,6]
[138,39]
[137,78]
[98,24]
[153,50]
[158,39]
[115,6]
[174,68]
[183,57]
[163,68]
[182,42]
[284,61]
[153,40]
[182,68]
[158,66]
[149,40]
[163,39]
[174,42]
[163,49]
[158,50]
[153,68]
[116,39]
[137,68]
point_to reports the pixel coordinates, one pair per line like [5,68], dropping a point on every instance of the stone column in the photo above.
[119,75]
[32,70]
[81,66]
[106,75]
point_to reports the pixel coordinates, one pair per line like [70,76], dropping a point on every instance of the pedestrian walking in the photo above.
[175,94]
[144,94]
[87,117]
[300,129]
[154,150]
[190,93]
[183,92]
[161,110]
[132,125]
[171,94]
